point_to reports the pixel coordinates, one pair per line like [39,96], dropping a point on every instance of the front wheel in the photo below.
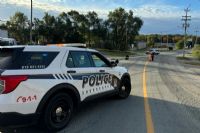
[125,88]
[58,112]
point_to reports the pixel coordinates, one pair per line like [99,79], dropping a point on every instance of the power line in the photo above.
[186,25]
[186,20]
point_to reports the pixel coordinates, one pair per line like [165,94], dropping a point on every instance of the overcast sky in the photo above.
[160,16]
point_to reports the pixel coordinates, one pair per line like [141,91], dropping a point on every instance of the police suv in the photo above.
[44,84]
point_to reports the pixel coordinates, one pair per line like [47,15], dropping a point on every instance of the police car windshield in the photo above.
[16,58]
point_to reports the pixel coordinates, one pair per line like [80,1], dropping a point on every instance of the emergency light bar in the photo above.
[79,45]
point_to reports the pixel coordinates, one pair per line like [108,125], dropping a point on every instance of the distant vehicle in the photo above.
[7,41]
[153,51]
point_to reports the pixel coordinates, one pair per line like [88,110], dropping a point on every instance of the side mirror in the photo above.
[117,61]
[114,63]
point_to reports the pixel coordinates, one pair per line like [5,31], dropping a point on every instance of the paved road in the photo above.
[165,98]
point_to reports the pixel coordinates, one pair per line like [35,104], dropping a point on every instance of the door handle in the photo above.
[102,71]
[71,71]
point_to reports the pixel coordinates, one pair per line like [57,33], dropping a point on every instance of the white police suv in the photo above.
[46,83]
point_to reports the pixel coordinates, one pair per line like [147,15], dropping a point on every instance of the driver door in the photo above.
[105,80]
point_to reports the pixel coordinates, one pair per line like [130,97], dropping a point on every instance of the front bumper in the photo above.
[16,119]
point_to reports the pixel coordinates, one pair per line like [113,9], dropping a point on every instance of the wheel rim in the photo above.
[125,88]
[61,113]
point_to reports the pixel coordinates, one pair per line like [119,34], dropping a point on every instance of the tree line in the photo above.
[117,31]
[154,39]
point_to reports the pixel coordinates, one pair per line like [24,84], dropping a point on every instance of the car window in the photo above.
[98,60]
[19,59]
[70,62]
[79,59]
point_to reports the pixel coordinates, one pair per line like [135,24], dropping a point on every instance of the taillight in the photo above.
[10,83]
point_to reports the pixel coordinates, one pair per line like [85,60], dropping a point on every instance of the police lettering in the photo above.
[97,80]
[92,80]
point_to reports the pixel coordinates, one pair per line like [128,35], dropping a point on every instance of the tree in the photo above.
[134,24]
[151,39]
[79,23]
[93,25]
[196,51]
[49,28]
[124,27]
[180,44]
[142,38]
[18,27]
[116,32]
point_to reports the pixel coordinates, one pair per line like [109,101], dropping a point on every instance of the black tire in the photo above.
[125,88]
[58,112]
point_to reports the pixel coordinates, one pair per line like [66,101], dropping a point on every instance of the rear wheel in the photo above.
[58,112]
[125,88]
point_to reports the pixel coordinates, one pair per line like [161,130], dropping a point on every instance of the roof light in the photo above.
[79,45]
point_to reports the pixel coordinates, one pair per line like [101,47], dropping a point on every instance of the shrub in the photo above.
[196,51]
[180,44]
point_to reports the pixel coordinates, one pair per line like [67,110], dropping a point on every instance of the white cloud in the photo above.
[36,4]
[158,11]
[156,16]
[49,6]
[149,11]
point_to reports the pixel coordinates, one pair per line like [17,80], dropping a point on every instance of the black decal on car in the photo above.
[92,80]
[85,81]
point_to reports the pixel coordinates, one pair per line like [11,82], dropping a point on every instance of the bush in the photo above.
[150,44]
[196,51]
[180,44]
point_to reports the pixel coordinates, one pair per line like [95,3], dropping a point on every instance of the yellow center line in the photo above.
[149,121]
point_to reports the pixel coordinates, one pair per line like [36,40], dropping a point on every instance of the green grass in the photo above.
[189,59]
[182,58]
[193,63]
[196,52]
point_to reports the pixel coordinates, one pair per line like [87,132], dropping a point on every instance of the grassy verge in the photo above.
[193,63]
[196,51]
[182,58]
[189,59]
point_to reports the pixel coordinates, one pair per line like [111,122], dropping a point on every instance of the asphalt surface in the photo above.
[172,91]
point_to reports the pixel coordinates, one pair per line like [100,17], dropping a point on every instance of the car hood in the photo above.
[121,69]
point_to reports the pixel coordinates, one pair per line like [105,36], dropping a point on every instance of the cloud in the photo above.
[54,6]
[36,4]
[156,10]
[156,16]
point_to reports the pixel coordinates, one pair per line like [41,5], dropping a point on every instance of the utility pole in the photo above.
[186,25]
[167,40]
[196,36]
[31,22]
[126,35]
[161,38]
